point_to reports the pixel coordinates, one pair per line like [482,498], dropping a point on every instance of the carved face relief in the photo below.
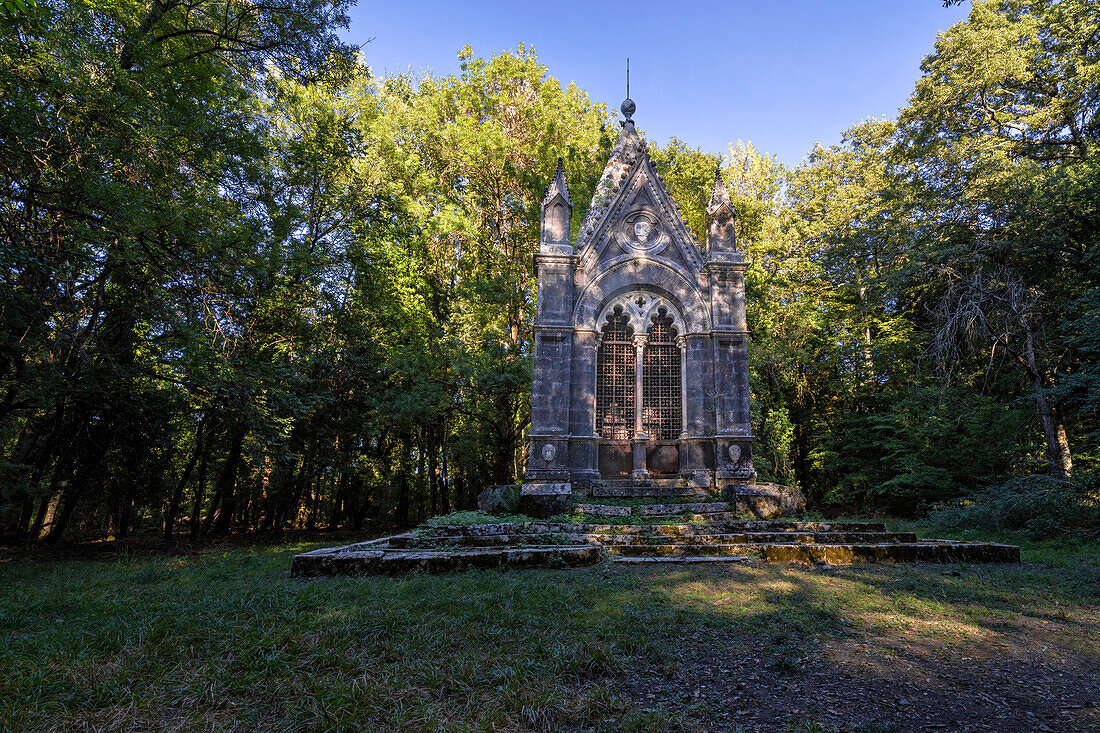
[640,232]
[735,452]
[548,452]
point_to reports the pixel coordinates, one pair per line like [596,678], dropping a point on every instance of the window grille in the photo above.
[615,367]
[661,395]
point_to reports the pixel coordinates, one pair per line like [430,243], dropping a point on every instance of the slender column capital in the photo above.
[682,342]
[640,341]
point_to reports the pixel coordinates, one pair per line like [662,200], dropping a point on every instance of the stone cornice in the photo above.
[555,258]
[737,265]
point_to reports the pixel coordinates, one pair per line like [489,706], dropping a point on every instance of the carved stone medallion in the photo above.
[549,450]
[641,232]
[735,452]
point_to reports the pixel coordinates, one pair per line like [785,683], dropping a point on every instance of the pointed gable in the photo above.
[632,213]
[721,231]
[557,188]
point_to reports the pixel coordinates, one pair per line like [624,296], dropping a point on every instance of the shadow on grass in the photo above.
[229,640]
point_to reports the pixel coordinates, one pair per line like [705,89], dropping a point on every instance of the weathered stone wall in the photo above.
[633,242]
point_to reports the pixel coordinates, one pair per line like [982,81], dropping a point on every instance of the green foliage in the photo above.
[923,310]
[1037,506]
[249,284]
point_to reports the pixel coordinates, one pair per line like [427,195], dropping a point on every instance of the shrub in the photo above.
[1038,506]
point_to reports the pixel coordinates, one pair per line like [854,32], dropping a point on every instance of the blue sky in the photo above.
[783,74]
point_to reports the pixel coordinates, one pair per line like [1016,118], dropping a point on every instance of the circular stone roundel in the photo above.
[641,232]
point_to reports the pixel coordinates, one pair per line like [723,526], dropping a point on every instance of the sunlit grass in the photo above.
[231,640]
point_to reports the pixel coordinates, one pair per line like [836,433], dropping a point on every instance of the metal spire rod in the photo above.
[628,78]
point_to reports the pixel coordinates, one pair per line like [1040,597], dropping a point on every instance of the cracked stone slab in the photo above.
[737,559]
[346,561]
[604,509]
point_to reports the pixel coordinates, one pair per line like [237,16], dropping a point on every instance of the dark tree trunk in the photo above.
[444,481]
[200,489]
[433,477]
[1061,460]
[80,481]
[172,511]
[227,481]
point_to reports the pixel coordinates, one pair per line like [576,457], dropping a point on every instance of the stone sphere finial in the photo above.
[628,108]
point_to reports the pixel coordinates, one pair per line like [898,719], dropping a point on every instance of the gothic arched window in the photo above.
[615,374]
[661,397]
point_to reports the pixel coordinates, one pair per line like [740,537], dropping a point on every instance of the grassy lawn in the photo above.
[229,641]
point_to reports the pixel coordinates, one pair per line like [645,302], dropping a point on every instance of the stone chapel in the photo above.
[640,343]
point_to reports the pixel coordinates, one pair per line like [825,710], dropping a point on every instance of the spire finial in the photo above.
[557,186]
[628,105]
[718,195]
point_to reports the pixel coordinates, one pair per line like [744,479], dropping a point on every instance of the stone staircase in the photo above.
[711,536]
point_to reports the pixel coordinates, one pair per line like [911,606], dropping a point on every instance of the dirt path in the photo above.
[998,672]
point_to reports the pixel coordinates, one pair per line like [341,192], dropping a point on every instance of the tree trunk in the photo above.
[177,495]
[433,476]
[868,361]
[444,482]
[1061,461]
[227,481]
[200,489]
[71,496]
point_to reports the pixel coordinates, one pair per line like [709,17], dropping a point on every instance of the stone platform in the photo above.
[446,548]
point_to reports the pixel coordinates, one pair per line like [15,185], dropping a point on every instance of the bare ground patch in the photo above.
[863,657]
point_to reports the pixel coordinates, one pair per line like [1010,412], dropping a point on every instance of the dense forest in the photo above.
[250,285]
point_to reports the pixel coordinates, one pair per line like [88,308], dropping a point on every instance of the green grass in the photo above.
[230,641]
[1069,550]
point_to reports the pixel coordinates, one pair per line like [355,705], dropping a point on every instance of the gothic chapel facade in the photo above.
[640,343]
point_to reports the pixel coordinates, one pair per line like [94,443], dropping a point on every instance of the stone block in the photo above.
[544,499]
[603,509]
[711,507]
[758,506]
[501,499]
[791,500]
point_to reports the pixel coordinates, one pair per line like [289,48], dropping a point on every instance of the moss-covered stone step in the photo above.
[682,550]
[705,507]
[723,525]
[606,510]
[555,544]
[935,551]
[748,538]
[414,541]
[732,559]
[839,554]
[382,560]
[648,510]
[612,490]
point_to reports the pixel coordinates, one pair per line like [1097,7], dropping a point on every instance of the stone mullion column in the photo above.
[639,361]
[639,443]
[681,343]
